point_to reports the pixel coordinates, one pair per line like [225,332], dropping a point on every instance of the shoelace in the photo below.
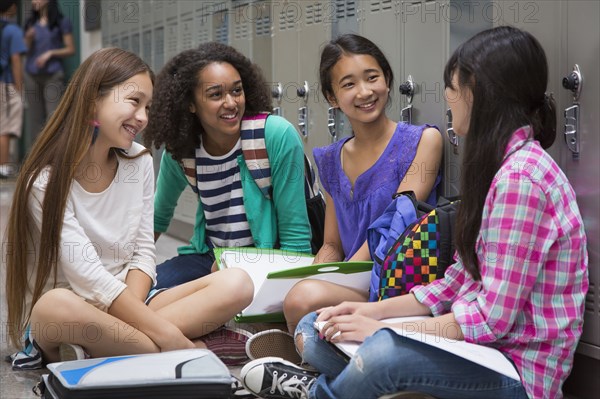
[294,387]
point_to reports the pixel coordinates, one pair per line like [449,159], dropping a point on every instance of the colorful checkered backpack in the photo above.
[422,252]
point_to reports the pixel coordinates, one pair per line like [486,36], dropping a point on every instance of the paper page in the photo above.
[259,264]
[350,347]
[480,354]
[269,297]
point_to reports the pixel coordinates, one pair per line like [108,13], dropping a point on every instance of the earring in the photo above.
[96,125]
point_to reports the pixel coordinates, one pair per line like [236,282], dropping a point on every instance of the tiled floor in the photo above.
[18,385]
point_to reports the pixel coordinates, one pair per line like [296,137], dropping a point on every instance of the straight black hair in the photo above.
[350,44]
[507,72]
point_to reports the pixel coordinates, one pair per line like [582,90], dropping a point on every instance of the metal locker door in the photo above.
[241,28]
[262,52]
[186,24]
[202,24]
[541,19]
[346,21]
[286,16]
[425,41]
[147,21]
[431,32]
[314,30]
[583,48]
[172,42]
[220,26]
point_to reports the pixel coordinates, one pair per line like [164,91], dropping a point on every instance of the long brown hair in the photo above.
[507,72]
[61,145]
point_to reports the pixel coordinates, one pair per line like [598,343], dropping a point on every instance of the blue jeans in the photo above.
[387,363]
[183,268]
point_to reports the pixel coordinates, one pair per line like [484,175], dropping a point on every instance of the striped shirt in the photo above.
[221,195]
[533,262]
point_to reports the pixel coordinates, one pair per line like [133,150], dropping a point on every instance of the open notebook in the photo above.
[480,354]
[275,272]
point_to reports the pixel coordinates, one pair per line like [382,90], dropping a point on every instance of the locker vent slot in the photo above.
[314,14]
[241,30]
[115,42]
[221,34]
[263,26]
[381,5]
[172,40]
[221,23]
[203,36]
[187,35]
[287,19]
[345,9]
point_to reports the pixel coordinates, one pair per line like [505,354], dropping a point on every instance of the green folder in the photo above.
[274,273]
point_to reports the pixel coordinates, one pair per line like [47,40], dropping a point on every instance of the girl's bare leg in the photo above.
[310,295]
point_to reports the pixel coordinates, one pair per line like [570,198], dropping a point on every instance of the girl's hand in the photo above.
[352,327]
[171,338]
[369,309]
[43,59]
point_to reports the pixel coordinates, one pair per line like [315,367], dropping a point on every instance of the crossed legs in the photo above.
[196,308]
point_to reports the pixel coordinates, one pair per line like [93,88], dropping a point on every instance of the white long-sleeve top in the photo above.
[104,235]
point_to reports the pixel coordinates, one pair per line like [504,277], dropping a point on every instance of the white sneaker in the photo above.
[276,378]
[273,343]
[68,352]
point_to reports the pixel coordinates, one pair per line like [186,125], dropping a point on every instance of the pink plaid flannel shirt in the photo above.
[533,262]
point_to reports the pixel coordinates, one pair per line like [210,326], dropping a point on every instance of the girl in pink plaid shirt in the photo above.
[520,277]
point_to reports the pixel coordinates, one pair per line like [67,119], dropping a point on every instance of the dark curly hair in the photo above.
[170,121]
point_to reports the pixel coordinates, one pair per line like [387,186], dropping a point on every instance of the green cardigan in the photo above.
[281,222]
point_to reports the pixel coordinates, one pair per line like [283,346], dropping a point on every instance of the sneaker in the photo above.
[273,343]
[68,352]
[275,378]
[229,344]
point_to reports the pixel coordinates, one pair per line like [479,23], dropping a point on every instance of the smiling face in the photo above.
[219,102]
[359,88]
[460,101]
[123,112]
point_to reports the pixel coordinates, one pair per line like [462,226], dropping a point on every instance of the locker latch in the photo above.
[277,93]
[452,137]
[573,82]
[331,123]
[303,111]
[407,89]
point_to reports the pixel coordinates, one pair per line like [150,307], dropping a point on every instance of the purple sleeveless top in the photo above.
[373,190]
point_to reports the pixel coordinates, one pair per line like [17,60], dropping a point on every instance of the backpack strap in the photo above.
[255,151]
[189,169]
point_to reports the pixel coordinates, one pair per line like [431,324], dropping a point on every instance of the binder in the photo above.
[275,272]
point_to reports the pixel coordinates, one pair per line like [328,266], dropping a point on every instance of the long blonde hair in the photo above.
[61,145]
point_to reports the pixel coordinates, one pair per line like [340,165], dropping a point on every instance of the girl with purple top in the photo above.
[520,278]
[359,174]
[49,38]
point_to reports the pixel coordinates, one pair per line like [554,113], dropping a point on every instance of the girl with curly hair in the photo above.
[205,99]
